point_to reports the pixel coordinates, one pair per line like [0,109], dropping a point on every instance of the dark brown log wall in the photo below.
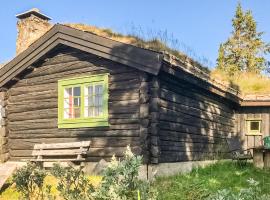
[32,106]
[193,123]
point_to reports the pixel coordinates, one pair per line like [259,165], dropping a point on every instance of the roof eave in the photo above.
[141,59]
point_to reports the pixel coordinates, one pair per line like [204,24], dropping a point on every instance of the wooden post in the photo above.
[4,154]
[258,158]
[267,158]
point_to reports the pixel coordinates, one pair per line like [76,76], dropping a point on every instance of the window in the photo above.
[83,102]
[253,127]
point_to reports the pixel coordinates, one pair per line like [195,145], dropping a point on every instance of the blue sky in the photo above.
[199,26]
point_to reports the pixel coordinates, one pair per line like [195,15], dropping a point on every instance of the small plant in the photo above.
[29,181]
[121,180]
[73,184]
[253,192]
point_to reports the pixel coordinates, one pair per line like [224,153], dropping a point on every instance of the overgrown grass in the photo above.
[204,181]
[161,41]
[247,83]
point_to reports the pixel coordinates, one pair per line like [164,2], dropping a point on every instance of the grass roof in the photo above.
[246,83]
[154,44]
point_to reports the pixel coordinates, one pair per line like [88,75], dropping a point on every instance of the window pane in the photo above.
[89,91]
[67,103]
[254,126]
[99,111]
[96,101]
[93,100]
[98,89]
[66,113]
[88,111]
[77,113]
[67,92]
[77,101]
[77,91]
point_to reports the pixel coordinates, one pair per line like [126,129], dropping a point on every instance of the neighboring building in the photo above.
[72,85]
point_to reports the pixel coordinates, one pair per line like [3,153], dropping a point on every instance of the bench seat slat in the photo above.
[59,152]
[62,145]
[56,160]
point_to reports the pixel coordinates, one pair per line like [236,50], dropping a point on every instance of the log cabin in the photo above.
[67,85]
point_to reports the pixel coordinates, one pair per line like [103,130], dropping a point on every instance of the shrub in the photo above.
[73,184]
[121,180]
[29,181]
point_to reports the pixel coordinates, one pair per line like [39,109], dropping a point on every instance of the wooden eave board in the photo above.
[255,103]
[139,58]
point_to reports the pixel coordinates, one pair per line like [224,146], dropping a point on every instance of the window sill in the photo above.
[84,124]
[254,134]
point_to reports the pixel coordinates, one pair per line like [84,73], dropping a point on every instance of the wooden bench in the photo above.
[56,152]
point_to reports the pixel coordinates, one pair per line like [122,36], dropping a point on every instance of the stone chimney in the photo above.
[31,25]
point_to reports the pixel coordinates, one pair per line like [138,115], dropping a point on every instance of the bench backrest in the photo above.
[234,144]
[61,149]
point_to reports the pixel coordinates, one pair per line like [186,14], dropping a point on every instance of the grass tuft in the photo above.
[246,83]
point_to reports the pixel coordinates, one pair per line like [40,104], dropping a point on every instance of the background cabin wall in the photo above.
[193,123]
[32,106]
[4,152]
[245,113]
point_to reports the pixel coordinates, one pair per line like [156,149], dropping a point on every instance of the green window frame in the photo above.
[254,126]
[83,119]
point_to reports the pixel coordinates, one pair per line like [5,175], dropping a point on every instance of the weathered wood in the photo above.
[58,152]
[258,158]
[194,112]
[62,145]
[96,142]
[194,92]
[32,107]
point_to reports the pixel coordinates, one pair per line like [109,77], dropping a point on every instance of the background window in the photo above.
[254,126]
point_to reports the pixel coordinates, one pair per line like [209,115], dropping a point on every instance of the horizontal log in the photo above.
[96,152]
[194,112]
[190,129]
[73,133]
[53,113]
[168,156]
[192,121]
[193,92]
[97,142]
[82,68]
[197,104]
[66,62]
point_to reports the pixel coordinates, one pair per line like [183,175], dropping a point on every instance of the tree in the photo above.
[244,50]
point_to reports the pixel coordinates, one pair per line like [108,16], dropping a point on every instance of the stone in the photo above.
[30,29]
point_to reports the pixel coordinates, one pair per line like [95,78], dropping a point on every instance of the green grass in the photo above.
[246,83]
[201,182]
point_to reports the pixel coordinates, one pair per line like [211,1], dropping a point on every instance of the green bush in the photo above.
[29,181]
[120,180]
[73,184]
